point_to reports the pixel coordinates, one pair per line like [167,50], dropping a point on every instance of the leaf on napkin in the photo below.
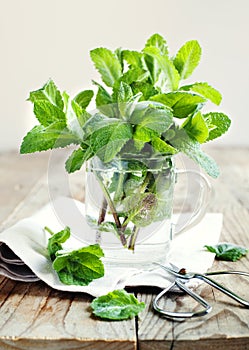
[117,305]
[77,267]
[227,251]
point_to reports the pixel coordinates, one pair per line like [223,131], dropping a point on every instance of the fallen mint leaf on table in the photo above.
[117,305]
[227,251]
[77,267]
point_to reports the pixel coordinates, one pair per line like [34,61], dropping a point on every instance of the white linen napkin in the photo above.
[23,253]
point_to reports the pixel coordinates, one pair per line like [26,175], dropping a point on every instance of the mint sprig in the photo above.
[77,267]
[131,78]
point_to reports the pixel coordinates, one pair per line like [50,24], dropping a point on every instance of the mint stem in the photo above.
[49,230]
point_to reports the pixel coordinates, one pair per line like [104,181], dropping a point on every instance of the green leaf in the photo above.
[104,101]
[220,121]
[133,58]
[74,114]
[135,75]
[107,141]
[227,251]
[156,40]
[155,117]
[162,147]
[187,58]
[79,267]
[49,93]
[182,103]
[54,243]
[117,305]
[77,159]
[42,138]
[205,90]
[168,69]
[108,65]
[196,127]
[146,89]
[83,98]
[47,113]
[183,143]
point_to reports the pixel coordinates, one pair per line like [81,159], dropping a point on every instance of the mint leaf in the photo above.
[47,113]
[183,104]
[77,159]
[162,147]
[107,141]
[219,122]
[187,58]
[42,138]
[155,117]
[145,88]
[117,305]
[83,98]
[156,40]
[54,243]
[108,65]
[74,114]
[133,58]
[227,251]
[79,267]
[168,69]
[196,127]
[49,93]
[134,75]
[205,90]
[182,142]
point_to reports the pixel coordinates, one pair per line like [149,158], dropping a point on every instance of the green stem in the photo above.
[112,208]
[133,238]
[119,190]
[49,230]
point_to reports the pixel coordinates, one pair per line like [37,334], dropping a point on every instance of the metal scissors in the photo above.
[182,276]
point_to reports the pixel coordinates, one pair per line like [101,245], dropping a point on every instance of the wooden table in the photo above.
[34,316]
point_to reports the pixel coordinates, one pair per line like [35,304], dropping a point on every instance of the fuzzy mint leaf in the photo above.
[219,123]
[47,113]
[134,75]
[108,65]
[74,114]
[155,117]
[156,40]
[107,141]
[227,251]
[79,267]
[83,98]
[196,127]
[187,58]
[205,90]
[117,305]
[168,70]
[49,93]
[42,138]
[77,159]
[183,143]
[133,58]
[54,242]
[182,103]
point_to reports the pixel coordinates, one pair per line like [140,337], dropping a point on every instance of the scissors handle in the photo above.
[178,316]
[223,289]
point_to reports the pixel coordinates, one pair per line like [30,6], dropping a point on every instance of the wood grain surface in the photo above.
[33,316]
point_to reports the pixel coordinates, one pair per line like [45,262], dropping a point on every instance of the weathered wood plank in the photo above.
[32,315]
[227,326]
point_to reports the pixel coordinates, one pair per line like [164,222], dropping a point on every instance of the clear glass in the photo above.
[129,205]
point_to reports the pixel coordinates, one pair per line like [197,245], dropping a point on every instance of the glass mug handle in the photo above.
[204,196]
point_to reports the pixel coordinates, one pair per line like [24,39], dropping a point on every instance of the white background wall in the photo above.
[52,38]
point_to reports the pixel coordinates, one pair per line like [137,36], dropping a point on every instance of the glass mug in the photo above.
[129,207]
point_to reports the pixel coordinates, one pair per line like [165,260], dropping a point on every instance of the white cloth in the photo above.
[28,240]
